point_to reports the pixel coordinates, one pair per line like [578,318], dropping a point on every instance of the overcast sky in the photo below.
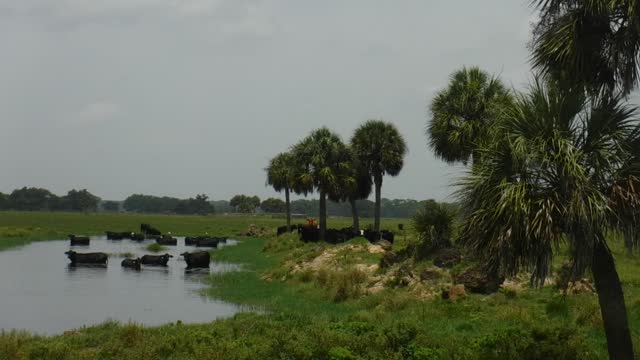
[180,97]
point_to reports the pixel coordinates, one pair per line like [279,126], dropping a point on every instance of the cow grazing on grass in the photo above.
[198,259]
[78,240]
[131,263]
[149,230]
[87,258]
[156,260]
[167,240]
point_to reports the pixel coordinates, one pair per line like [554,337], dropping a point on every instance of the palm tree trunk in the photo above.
[323,215]
[376,214]
[354,214]
[288,205]
[612,307]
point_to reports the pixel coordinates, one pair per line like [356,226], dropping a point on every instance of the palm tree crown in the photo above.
[463,113]
[593,43]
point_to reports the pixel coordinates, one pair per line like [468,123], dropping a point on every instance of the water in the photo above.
[41,293]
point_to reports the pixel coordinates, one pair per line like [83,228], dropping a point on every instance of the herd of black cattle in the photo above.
[311,233]
[201,259]
[196,259]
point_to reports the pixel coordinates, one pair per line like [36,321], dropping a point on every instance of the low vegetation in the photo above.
[321,301]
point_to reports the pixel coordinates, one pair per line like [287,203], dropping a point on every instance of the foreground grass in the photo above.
[295,318]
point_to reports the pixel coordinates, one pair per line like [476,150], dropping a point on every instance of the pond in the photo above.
[41,293]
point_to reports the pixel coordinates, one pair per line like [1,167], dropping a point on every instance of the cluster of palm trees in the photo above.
[322,162]
[558,163]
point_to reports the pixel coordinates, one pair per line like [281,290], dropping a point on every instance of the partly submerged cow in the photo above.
[198,259]
[157,260]
[166,240]
[114,235]
[78,240]
[131,263]
[207,242]
[87,258]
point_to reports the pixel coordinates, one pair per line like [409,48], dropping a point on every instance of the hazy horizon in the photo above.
[177,98]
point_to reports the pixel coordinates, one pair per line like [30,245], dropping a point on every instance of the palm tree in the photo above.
[283,173]
[380,149]
[555,177]
[595,44]
[463,114]
[358,187]
[327,167]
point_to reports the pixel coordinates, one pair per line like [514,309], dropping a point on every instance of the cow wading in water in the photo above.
[88,258]
[131,263]
[197,259]
[155,260]
[78,240]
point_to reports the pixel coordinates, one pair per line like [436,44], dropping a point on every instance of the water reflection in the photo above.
[42,292]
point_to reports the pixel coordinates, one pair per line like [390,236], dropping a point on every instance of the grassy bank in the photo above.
[299,315]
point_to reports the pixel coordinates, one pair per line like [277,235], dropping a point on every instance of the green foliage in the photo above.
[152,204]
[434,224]
[592,44]
[273,205]
[463,114]
[35,199]
[245,204]
[155,247]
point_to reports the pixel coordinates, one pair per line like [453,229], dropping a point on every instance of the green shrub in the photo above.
[155,247]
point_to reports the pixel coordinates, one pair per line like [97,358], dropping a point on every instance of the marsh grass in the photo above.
[155,247]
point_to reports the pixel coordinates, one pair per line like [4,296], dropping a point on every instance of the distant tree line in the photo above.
[37,199]
[154,204]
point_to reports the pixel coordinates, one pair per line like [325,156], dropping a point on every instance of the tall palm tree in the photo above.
[556,176]
[326,161]
[463,113]
[380,149]
[595,44]
[357,187]
[283,173]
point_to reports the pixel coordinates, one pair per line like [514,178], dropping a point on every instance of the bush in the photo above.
[155,247]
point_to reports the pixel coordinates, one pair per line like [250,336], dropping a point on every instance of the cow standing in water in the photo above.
[88,258]
[131,263]
[198,259]
[78,240]
[156,260]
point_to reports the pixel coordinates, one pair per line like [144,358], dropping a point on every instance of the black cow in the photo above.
[157,260]
[137,236]
[167,240]
[113,235]
[221,239]
[191,240]
[131,263]
[207,242]
[198,259]
[78,240]
[373,236]
[149,230]
[309,233]
[87,258]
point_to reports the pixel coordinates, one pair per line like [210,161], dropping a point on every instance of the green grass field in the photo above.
[292,317]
